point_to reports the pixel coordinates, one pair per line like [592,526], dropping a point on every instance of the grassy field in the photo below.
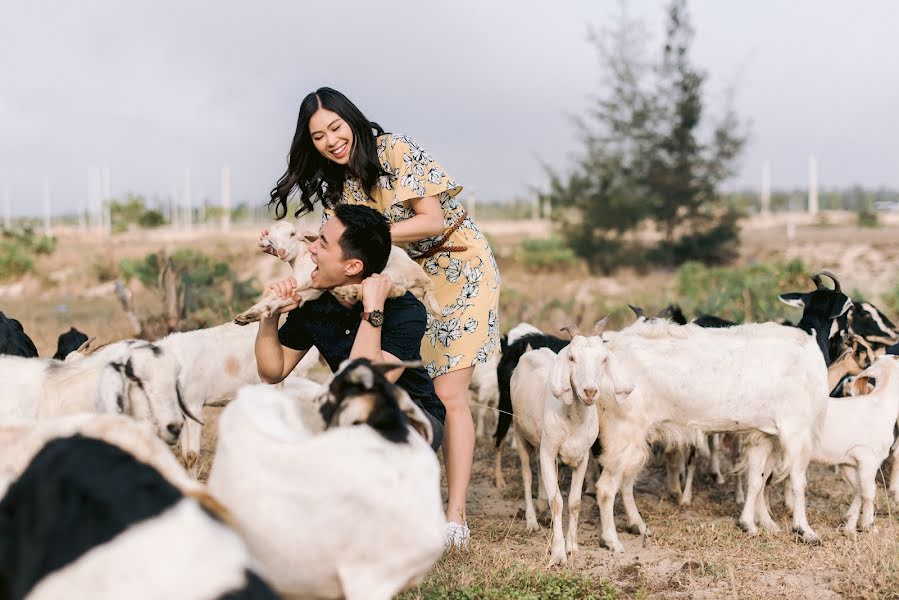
[694,552]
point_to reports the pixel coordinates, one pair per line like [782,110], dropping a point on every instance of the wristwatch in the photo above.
[375,317]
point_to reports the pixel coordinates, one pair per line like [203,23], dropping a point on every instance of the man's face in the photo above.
[331,267]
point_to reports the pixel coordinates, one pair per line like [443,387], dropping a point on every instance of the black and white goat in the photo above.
[86,520]
[353,511]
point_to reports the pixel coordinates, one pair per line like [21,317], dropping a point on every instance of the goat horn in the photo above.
[85,348]
[571,330]
[187,412]
[829,275]
[600,325]
[637,310]
[385,367]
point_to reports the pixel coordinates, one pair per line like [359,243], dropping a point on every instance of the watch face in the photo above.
[376,318]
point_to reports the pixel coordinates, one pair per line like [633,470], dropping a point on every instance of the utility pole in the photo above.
[106,202]
[48,230]
[812,185]
[7,209]
[188,203]
[226,199]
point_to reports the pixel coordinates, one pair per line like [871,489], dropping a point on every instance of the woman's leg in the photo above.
[458,439]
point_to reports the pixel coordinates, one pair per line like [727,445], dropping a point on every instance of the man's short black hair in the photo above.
[366,237]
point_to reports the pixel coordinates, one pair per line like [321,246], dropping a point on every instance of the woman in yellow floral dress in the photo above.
[337,156]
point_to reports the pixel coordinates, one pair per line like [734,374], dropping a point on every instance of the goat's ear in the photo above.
[842,309]
[622,389]
[560,377]
[793,299]
[416,416]
[859,385]
[361,376]
[308,235]
[113,390]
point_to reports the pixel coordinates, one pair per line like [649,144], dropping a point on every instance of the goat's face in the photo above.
[359,394]
[867,321]
[286,242]
[577,370]
[144,384]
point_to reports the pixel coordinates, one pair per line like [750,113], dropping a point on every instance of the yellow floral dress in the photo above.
[461,264]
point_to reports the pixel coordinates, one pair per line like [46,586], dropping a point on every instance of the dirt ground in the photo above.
[694,552]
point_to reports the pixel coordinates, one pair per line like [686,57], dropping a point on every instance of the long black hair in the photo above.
[314,175]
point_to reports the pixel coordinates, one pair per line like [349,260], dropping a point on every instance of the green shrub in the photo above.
[552,253]
[207,289]
[867,218]
[151,218]
[15,261]
[740,294]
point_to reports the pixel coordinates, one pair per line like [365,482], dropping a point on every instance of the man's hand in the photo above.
[375,290]
[284,288]
[267,248]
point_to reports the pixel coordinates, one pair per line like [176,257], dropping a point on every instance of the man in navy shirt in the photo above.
[352,247]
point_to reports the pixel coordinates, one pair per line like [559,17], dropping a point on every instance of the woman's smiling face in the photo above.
[331,135]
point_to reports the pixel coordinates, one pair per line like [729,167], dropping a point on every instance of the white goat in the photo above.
[354,511]
[673,382]
[553,396]
[857,437]
[215,363]
[292,247]
[131,377]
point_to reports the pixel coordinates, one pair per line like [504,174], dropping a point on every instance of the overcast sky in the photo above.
[152,87]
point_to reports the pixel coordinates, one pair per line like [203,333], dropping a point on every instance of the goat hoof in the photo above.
[749,528]
[532,525]
[614,545]
[685,501]
[636,529]
[719,479]
[771,527]
[807,537]
[557,558]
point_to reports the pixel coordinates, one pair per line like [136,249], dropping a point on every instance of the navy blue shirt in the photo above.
[331,327]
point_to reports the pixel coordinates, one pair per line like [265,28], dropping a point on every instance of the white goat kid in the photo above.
[131,377]
[674,382]
[292,247]
[857,436]
[354,511]
[553,398]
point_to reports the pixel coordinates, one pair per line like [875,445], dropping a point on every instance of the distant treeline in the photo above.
[853,198]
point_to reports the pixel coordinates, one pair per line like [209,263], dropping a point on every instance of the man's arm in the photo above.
[274,361]
[368,338]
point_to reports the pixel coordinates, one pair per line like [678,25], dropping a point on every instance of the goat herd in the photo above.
[331,490]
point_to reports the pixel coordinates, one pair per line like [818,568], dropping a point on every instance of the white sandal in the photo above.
[457,535]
